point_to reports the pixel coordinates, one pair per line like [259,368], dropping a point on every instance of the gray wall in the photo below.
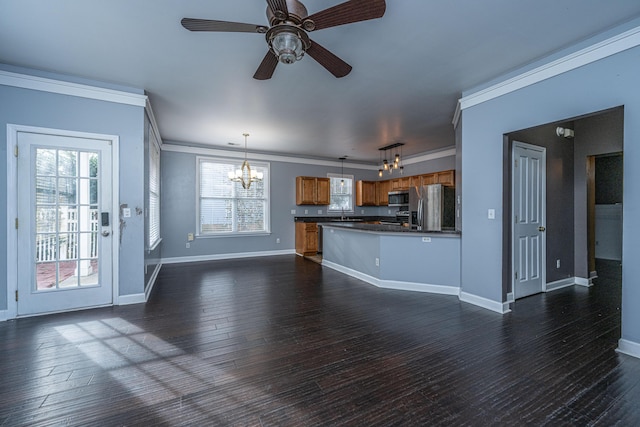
[179,203]
[602,85]
[49,110]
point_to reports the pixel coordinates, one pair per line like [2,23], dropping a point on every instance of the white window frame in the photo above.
[267,198]
[153,224]
[333,176]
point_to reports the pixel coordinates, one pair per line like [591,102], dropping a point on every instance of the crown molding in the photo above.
[611,46]
[42,84]
[176,148]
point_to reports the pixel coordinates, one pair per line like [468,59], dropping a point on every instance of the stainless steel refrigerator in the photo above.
[432,207]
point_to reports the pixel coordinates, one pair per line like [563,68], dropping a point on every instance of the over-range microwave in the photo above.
[399,198]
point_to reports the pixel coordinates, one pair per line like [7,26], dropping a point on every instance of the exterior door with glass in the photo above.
[64,223]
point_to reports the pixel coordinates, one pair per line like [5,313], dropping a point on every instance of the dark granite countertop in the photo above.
[347,218]
[382,228]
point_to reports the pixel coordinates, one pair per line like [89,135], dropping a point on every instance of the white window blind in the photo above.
[341,187]
[154,191]
[225,208]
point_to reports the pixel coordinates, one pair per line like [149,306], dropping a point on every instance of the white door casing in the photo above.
[80,261]
[529,222]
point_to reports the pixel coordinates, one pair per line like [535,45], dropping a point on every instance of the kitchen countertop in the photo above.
[383,228]
[347,219]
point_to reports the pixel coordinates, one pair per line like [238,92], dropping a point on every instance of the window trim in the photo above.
[154,144]
[267,191]
[353,189]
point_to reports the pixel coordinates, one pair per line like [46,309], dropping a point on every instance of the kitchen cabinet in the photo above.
[306,238]
[446,178]
[402,183]
[382,192]
[312,191]
[366,194]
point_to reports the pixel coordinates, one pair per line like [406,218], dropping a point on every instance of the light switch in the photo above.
[491,214]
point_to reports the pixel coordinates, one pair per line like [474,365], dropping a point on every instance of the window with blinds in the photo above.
[341,193]
[154,192]
[224,207]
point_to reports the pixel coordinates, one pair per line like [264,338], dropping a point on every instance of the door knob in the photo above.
[105,233]
[541,228]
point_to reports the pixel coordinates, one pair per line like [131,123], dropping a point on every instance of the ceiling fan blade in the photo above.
[328,60]
[267,67]
[193,24]
[348,12]
[279,8]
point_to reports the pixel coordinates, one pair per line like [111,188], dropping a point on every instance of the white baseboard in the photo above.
[152,281]
[498,307]
[394,284]
[629,348]
[581,281]
[131,299]
[217,257]
[559,284]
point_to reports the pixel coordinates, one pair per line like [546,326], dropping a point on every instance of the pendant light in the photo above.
[395,158]
[342,171]
[245,175]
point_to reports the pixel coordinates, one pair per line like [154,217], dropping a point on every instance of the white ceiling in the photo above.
[409,67]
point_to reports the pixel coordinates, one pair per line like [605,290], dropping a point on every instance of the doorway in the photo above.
[594,136]
[64,241]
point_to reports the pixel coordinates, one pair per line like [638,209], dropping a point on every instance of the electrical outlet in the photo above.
[306,211]
[319,211]
[362,211]
[278,240]
[491,214]
[190,237]
[188,245]
[377,262]
[426,240]
[293,211]
[557,263]
[126,212]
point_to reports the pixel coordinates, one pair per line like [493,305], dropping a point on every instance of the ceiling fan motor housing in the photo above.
[297,12]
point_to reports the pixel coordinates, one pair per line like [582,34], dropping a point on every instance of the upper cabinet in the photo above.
[312,191]
[366,193]
[382,190]
[375,193]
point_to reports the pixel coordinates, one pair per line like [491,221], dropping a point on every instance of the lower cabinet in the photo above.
[306,238]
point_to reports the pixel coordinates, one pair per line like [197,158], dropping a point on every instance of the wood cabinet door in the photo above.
[305,190]
[311,239]
[323,195]
[428,179]
[446,178]
[405,182]
[366,193]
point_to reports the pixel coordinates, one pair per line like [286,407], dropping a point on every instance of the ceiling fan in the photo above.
[287,34]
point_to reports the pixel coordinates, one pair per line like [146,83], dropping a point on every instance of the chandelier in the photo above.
[245,175]
[395,158]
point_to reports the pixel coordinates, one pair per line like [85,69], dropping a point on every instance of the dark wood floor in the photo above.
[282,341]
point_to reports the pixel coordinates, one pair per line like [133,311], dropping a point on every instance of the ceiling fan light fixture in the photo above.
[287,47]
[288,42]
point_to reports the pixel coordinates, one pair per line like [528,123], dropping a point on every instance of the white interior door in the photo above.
[64,223]
[528,177]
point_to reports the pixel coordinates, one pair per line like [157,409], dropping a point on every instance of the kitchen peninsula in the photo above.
[394,257]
